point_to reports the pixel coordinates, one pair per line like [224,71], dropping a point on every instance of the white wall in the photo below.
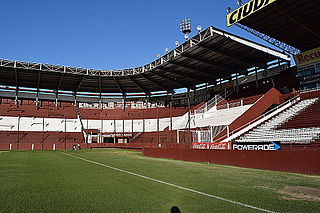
[39,124]
[211,118]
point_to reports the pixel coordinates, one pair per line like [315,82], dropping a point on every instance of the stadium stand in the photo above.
[240,81]
[268,130]
[309,117]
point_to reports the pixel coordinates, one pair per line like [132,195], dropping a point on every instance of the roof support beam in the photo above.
[39,79]
[157,84]
[119,87]
[312,28]
[213,64]
[60,81]
[198,70]
[184,75]
[80,83]
[173,80]
[139,85]
[100,85]
[228,54]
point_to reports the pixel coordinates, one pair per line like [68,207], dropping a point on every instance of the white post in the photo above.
[54,147]
[178,136]
[228,131]
[228,108]
[241,105]
[211,134]
[32,147]
[10,146]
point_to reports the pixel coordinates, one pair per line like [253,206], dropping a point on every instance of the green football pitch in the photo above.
[126,181]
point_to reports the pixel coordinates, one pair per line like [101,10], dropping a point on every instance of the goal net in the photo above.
[190,136]
[200,136]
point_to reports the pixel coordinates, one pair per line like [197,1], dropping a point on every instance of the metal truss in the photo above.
[207,33]
[279,44]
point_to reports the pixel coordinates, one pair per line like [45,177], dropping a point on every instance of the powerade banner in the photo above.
[272,146]
[220,146]
[309,57]
[246,10]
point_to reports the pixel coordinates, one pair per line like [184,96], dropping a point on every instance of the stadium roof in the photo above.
[295,22]
[210,55]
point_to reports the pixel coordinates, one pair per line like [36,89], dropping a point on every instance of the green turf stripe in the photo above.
[173,185]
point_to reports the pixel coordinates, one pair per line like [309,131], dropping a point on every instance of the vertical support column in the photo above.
[206,96]
[114,125]
[37,98]
[56,99]
[143,121]
[101,131]
[75,98]
[170,114]
[242,106]
[65,134]
[124,103]
[123,128]
[228,108]
[178,139]
[16,96]
[132,125]
[189,111]
[42,144]
[18,140]
[124,109]
[158,129]
[256,74]
[114,129]
[237,84]
[228,131]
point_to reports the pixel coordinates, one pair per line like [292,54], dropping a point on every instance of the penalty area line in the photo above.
[171,184]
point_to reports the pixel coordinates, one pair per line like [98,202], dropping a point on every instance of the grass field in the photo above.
[51,181]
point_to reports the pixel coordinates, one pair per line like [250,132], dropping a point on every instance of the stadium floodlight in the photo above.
[167,50]
[177,43]
[158,56]
[185,27]
[199,28]
[239,3]
[228,9]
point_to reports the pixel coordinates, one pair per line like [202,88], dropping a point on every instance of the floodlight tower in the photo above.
[185,27]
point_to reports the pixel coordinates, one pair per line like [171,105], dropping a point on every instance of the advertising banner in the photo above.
[246,10]
[308,57]
[266,146]
[219,146]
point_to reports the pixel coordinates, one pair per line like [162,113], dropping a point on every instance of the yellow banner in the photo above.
[308,57]
[246,10]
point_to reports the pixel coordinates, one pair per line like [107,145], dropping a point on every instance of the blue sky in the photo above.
[101,34]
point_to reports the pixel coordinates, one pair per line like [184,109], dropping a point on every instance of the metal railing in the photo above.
[292,101]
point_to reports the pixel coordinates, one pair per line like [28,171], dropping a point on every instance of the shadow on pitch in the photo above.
[175,209]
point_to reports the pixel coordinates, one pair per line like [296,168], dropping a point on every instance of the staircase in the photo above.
[268,131]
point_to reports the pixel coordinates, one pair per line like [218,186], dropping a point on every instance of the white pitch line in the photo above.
[173,185]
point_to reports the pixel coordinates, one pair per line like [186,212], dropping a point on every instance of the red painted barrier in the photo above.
[307,162]
[69,146]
